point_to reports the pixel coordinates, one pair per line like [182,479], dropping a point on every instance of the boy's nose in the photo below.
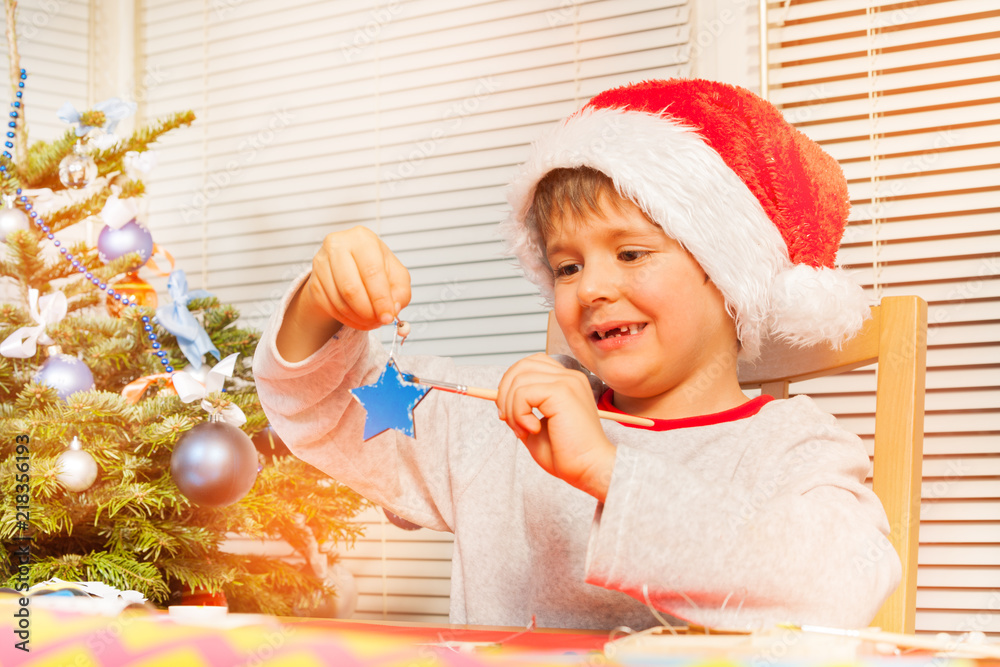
[597,283]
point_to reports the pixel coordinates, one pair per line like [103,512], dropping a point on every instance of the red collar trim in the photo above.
[748,409]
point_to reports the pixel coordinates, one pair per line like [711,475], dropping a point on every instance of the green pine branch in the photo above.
[111,160]
[274,587]
[25,262]
[71,215]
[133,528]
[43,160]
[199,573]
[7,370]
[42,168]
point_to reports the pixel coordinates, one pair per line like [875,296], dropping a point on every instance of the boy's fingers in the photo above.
[503,388]
[370,263]
[535,369]
[323,294]
[325,297]
[351,292]
[399,282]
[524,398]
[319,286]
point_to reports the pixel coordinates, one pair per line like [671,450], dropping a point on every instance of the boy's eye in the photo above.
[566,270]
[632,255]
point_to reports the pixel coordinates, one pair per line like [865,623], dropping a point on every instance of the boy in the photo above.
[672,225]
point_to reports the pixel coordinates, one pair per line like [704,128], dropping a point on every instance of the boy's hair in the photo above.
[759,205]
[578,191]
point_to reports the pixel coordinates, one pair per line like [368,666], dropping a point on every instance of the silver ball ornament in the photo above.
[12,220]
[77,468]
[77,170]
[214,464]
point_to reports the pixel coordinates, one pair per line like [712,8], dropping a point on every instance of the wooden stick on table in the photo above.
[909,641]
[491,395]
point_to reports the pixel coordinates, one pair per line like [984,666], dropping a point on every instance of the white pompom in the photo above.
[813,305]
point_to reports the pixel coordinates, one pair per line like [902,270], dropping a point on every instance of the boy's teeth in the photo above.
[621,331]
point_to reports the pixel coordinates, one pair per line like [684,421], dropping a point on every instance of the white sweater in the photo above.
[742,522]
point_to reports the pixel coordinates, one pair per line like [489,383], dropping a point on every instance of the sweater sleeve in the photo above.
[309,405]
[794,536]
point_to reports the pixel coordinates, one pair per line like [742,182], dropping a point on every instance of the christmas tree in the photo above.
[103,472]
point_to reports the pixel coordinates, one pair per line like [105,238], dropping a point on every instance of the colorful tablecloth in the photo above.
[64,639]
[60,638]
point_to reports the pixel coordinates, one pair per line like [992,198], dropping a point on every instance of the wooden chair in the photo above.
[896,338]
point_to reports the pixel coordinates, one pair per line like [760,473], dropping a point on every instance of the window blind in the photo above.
[408,117]
[905,95]
[55,49]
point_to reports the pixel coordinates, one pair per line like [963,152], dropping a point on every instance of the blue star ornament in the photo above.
[389,402]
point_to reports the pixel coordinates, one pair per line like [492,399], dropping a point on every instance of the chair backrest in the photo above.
[896,338]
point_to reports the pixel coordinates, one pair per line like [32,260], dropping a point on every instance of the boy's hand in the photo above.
[355,280]
[569,442]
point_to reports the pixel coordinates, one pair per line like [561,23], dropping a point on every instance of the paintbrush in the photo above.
[491,395]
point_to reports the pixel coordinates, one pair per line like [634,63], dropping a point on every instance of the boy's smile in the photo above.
[638,311]
[614,335]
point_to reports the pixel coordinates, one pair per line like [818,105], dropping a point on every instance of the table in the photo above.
[158,639]
[57,637]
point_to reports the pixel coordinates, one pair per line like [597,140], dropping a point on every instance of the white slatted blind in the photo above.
[906,96]
[52,39]
[54,48]
[408,117]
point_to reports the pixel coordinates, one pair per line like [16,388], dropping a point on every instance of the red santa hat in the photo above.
[757,203]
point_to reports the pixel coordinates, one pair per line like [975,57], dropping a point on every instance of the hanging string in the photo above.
[204,144]
[649,604]
[378,128]
[385,568]
[378,230]
[576,55]
[91,59]
[872,31]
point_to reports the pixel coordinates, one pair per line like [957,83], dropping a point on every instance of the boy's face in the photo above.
[616,269]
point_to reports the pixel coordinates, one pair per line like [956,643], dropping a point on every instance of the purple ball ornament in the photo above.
[66,374]
[214,464]
[132,237]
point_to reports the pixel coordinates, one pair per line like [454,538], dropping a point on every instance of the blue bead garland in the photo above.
[75,263]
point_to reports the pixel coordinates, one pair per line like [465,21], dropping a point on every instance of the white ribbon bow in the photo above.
[119,212]
[46,310]
[189,387]
[137,164]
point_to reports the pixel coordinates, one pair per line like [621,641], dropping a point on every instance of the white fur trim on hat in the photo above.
[683,185]
[811,305]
